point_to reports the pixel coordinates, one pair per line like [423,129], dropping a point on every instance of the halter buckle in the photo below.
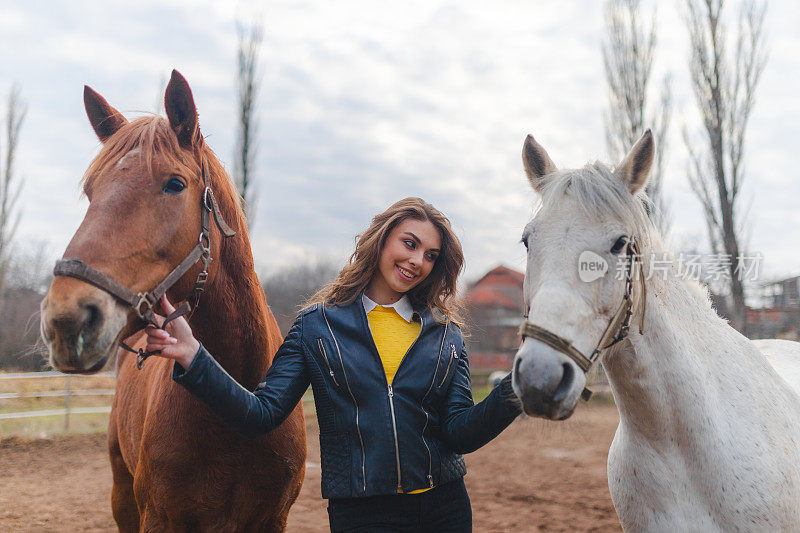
[200,284]
[205,243]
[144,298]
[141,355]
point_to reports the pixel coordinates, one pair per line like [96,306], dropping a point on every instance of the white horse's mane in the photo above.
[600,194]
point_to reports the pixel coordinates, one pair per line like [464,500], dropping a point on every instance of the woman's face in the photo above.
[407,257]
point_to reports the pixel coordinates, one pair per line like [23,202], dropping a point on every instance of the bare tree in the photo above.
[247,84]
[10,188]
[628,52]
[30,266]
[288,288]
[10,185]
[724,88]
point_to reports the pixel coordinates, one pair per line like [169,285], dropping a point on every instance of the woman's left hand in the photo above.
[176,342]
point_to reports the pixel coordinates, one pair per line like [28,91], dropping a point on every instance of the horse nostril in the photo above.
[93,317]
[565,384]
[88,328]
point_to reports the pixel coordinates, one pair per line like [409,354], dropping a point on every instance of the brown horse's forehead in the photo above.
[155,164]
[127,160]
[136,165]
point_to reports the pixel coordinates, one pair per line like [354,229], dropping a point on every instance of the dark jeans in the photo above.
[445,508]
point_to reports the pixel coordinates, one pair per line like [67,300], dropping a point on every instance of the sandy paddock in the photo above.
[537,476]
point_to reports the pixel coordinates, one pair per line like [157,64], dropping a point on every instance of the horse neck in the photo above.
[687,360]
[233,320]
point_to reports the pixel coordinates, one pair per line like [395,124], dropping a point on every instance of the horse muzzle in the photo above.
[547,382]
[79,326]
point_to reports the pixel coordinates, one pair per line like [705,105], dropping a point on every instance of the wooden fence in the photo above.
[67,393]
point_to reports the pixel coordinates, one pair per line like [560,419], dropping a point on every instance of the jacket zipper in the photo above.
[453,355]
[396,446]
[391,403]
[325,356]
[347,382]
[427,417]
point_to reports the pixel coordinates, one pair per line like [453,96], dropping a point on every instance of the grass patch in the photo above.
[48,426]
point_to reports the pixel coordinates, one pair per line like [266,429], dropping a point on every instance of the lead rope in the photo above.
[184,309]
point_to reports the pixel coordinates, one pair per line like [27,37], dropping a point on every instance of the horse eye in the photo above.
[525,242]
[619,245]
[174,186]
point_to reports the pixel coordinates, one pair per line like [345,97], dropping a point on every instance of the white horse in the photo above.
[709,432]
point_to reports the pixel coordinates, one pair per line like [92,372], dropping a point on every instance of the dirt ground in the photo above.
[536,476]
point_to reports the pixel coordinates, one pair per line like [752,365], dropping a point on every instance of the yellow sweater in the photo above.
[393,337]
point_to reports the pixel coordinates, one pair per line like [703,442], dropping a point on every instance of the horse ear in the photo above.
[635,168]
[105,119]
[537,163]
[181,111]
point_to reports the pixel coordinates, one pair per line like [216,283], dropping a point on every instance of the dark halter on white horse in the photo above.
[143,302]
[616,330]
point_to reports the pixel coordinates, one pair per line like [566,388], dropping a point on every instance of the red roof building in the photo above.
[494,306]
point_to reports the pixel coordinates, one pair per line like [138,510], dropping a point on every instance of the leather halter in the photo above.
[616,330]
[143,302]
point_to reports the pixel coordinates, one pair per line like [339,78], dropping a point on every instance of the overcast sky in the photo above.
[364,103]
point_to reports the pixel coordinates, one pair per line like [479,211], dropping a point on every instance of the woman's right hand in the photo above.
[176,342]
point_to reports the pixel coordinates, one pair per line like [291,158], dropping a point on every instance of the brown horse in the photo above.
[176,467]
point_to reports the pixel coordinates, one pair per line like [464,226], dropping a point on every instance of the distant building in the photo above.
[494,306]
[779,316]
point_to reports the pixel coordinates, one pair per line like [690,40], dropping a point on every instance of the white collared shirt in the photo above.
[402,306]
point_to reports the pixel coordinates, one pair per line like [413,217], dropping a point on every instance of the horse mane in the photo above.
[600,193]
[230,206]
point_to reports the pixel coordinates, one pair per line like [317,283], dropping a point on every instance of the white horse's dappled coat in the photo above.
[709,433]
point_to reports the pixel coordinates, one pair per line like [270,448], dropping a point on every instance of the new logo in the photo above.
[591,266]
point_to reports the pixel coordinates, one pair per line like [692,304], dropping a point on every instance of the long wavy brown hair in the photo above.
[437,291]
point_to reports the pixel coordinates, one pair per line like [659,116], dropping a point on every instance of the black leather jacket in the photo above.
[375,438]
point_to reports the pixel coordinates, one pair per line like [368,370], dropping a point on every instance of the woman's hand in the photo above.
[176,342]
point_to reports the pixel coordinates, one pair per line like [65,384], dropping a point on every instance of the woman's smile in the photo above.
[406,274]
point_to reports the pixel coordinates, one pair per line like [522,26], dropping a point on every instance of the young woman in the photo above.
[383,352]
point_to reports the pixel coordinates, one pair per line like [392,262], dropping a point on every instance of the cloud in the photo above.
[364,103]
